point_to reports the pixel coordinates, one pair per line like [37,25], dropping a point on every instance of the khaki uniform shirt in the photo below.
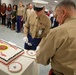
[60,46]
[28,12]
[38,26]
[21,11]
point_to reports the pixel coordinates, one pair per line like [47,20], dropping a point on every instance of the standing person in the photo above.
[20,16]
[13,17]
[47,12]
[8,15]
[36,27]
[59,47]
[3,13]
[54,22]
[29,10]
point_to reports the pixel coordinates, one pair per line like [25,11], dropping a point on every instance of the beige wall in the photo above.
[24,1]
[7,1]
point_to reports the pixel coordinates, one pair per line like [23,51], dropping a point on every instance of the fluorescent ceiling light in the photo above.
[56,1]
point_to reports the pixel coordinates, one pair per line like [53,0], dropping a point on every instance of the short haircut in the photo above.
[67,3]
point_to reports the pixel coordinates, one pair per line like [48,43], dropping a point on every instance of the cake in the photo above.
[9,52]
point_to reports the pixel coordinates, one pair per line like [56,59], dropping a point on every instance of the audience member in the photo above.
[3,13]
[8,15]
[20,16]
[13,16]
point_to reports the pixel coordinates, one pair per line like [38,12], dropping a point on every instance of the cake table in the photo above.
[22,62]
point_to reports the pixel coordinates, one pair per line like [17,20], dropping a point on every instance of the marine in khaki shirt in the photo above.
[29,10]
[59,47]
[37,26]
[21,11]
[20,16]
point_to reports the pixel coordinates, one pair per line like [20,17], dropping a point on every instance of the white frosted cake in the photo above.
[9,52]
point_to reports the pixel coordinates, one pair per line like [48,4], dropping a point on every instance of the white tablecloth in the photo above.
[29,67]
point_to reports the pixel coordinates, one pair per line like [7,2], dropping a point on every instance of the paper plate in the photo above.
[15,67]
[31,52]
